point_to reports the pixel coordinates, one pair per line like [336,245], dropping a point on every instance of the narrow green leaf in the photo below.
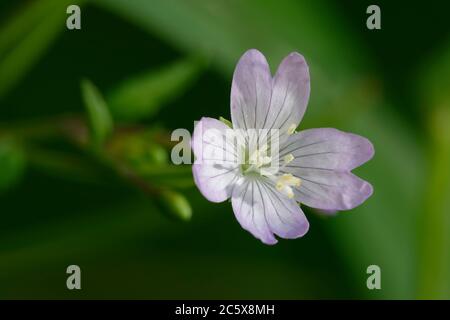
[175,204]
[20,24]
[434,225]
[143,95]
[25,39]
[434,263]
[12,163]
[100,120]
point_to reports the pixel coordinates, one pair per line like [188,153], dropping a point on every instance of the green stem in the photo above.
[69,166]
[74,129]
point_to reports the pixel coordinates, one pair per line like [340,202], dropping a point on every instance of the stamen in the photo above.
[264,160]
[259,158]
[291,129]
[267,172]
[263,148]
[289,192]
[279,186]
[285,183]
[288,158]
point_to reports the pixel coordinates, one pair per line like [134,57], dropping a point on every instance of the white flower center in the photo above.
[259,163]
[259,157]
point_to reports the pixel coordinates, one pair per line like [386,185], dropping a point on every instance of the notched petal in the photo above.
[250,90]
[290,94]
[263,211]
[284,215]
[327,149]
[323,159]
[249,211]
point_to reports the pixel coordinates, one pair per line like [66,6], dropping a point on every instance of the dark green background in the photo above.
[390,85]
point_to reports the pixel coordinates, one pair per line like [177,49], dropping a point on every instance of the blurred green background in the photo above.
[85,123]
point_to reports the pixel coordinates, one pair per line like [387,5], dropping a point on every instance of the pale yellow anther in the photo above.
[288,158]
[291,129]
[289,192]
[279,186]
[285,183]
[289,180]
